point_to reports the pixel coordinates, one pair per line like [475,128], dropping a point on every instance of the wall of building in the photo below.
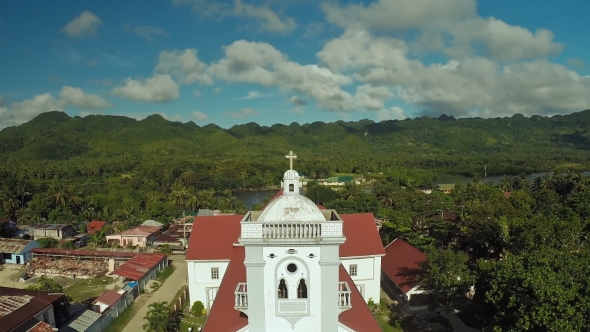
[46,316]
[199,279]
[368,278]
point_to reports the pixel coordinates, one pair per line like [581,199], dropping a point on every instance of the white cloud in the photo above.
[256,95]
[184,66]
[82,25]
[23,111]
[242,113]
[261,63]
[217,90]
[472,86]
[199,116]
[394,113]
[76,97]
[298,110]
[450,26]
[159,88]
[575,62]
[267,19]
[146,32]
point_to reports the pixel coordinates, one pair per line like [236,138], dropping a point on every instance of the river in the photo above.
[251,198]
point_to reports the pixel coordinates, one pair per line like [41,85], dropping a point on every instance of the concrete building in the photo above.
[142,268]
[21,309]
[285,268]
[56,231]
[17,251]
[141,236]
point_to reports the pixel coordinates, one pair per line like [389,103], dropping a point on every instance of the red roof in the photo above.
[362,237]
[507,193]
[401,263]
[17,306]
[139,266]
[224,317]
[41,327]
[109,298]
[95,226]
[359,317]
[212,237]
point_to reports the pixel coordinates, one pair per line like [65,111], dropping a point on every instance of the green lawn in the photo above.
[193,322]
[88,288]
[165,273]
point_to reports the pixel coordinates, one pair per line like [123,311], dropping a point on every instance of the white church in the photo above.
[294,266]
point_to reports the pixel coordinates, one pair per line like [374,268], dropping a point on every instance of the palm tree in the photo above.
[157,317]
[350,191]
[387,195]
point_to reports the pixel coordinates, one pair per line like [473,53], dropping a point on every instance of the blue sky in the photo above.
[282,61]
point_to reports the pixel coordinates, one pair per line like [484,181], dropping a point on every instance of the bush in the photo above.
[47,242]
[197,309]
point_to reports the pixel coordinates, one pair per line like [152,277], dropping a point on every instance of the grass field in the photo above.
[88,288]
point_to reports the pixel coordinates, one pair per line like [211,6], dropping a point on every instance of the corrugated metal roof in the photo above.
[204,213]
[109,297]
[95,226]
[139,266]
[152,223]
[141,230]
[51,226]
[84,321]
[41,327]
[20,305]
[57,251]
[13,246]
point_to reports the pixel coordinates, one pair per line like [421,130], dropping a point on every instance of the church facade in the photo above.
[291,266]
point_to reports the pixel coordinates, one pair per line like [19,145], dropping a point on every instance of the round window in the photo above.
[292,268]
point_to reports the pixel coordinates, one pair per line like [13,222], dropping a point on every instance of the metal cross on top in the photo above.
[291,156]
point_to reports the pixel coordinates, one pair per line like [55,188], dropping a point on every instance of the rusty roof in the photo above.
[17,306]
[109,298]
[95,226]
[41,327]
[139,266]
[401,264]
[13,246]
[91,253]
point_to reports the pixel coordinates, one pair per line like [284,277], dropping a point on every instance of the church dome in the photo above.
[287,208]
[291,174]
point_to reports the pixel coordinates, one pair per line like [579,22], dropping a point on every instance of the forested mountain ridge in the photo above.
[507,145]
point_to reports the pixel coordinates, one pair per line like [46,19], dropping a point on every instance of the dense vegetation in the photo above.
[526,252]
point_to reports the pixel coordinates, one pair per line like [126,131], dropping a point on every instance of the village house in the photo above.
[108,299]
[445,187]
[401,266]
[17,251]
[95,226]
[339,181]
[55,231]
[23,310]
[7,227]
[141,236]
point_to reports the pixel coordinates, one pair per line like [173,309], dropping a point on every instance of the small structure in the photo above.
[400,267]
[78,240]
[21,309]
[17,251]
[56,231]
[88,321]
[152,223]
[425,190]
[108,299]
[175,237]
[95,226]
[141,236]
[142,268]
[445,187]
[338,181]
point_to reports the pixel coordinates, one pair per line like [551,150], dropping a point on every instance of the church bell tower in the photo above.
[292,264]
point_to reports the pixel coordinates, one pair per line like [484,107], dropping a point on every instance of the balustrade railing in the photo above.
[291,230]
[241,293]
[344,296]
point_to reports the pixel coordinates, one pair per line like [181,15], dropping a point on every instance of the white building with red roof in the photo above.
[290,267]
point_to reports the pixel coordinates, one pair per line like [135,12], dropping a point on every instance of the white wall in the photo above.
[199,278]
[368,275]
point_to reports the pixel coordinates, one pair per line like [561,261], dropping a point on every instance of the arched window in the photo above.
[302,289]
[291,187]
[283,290]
